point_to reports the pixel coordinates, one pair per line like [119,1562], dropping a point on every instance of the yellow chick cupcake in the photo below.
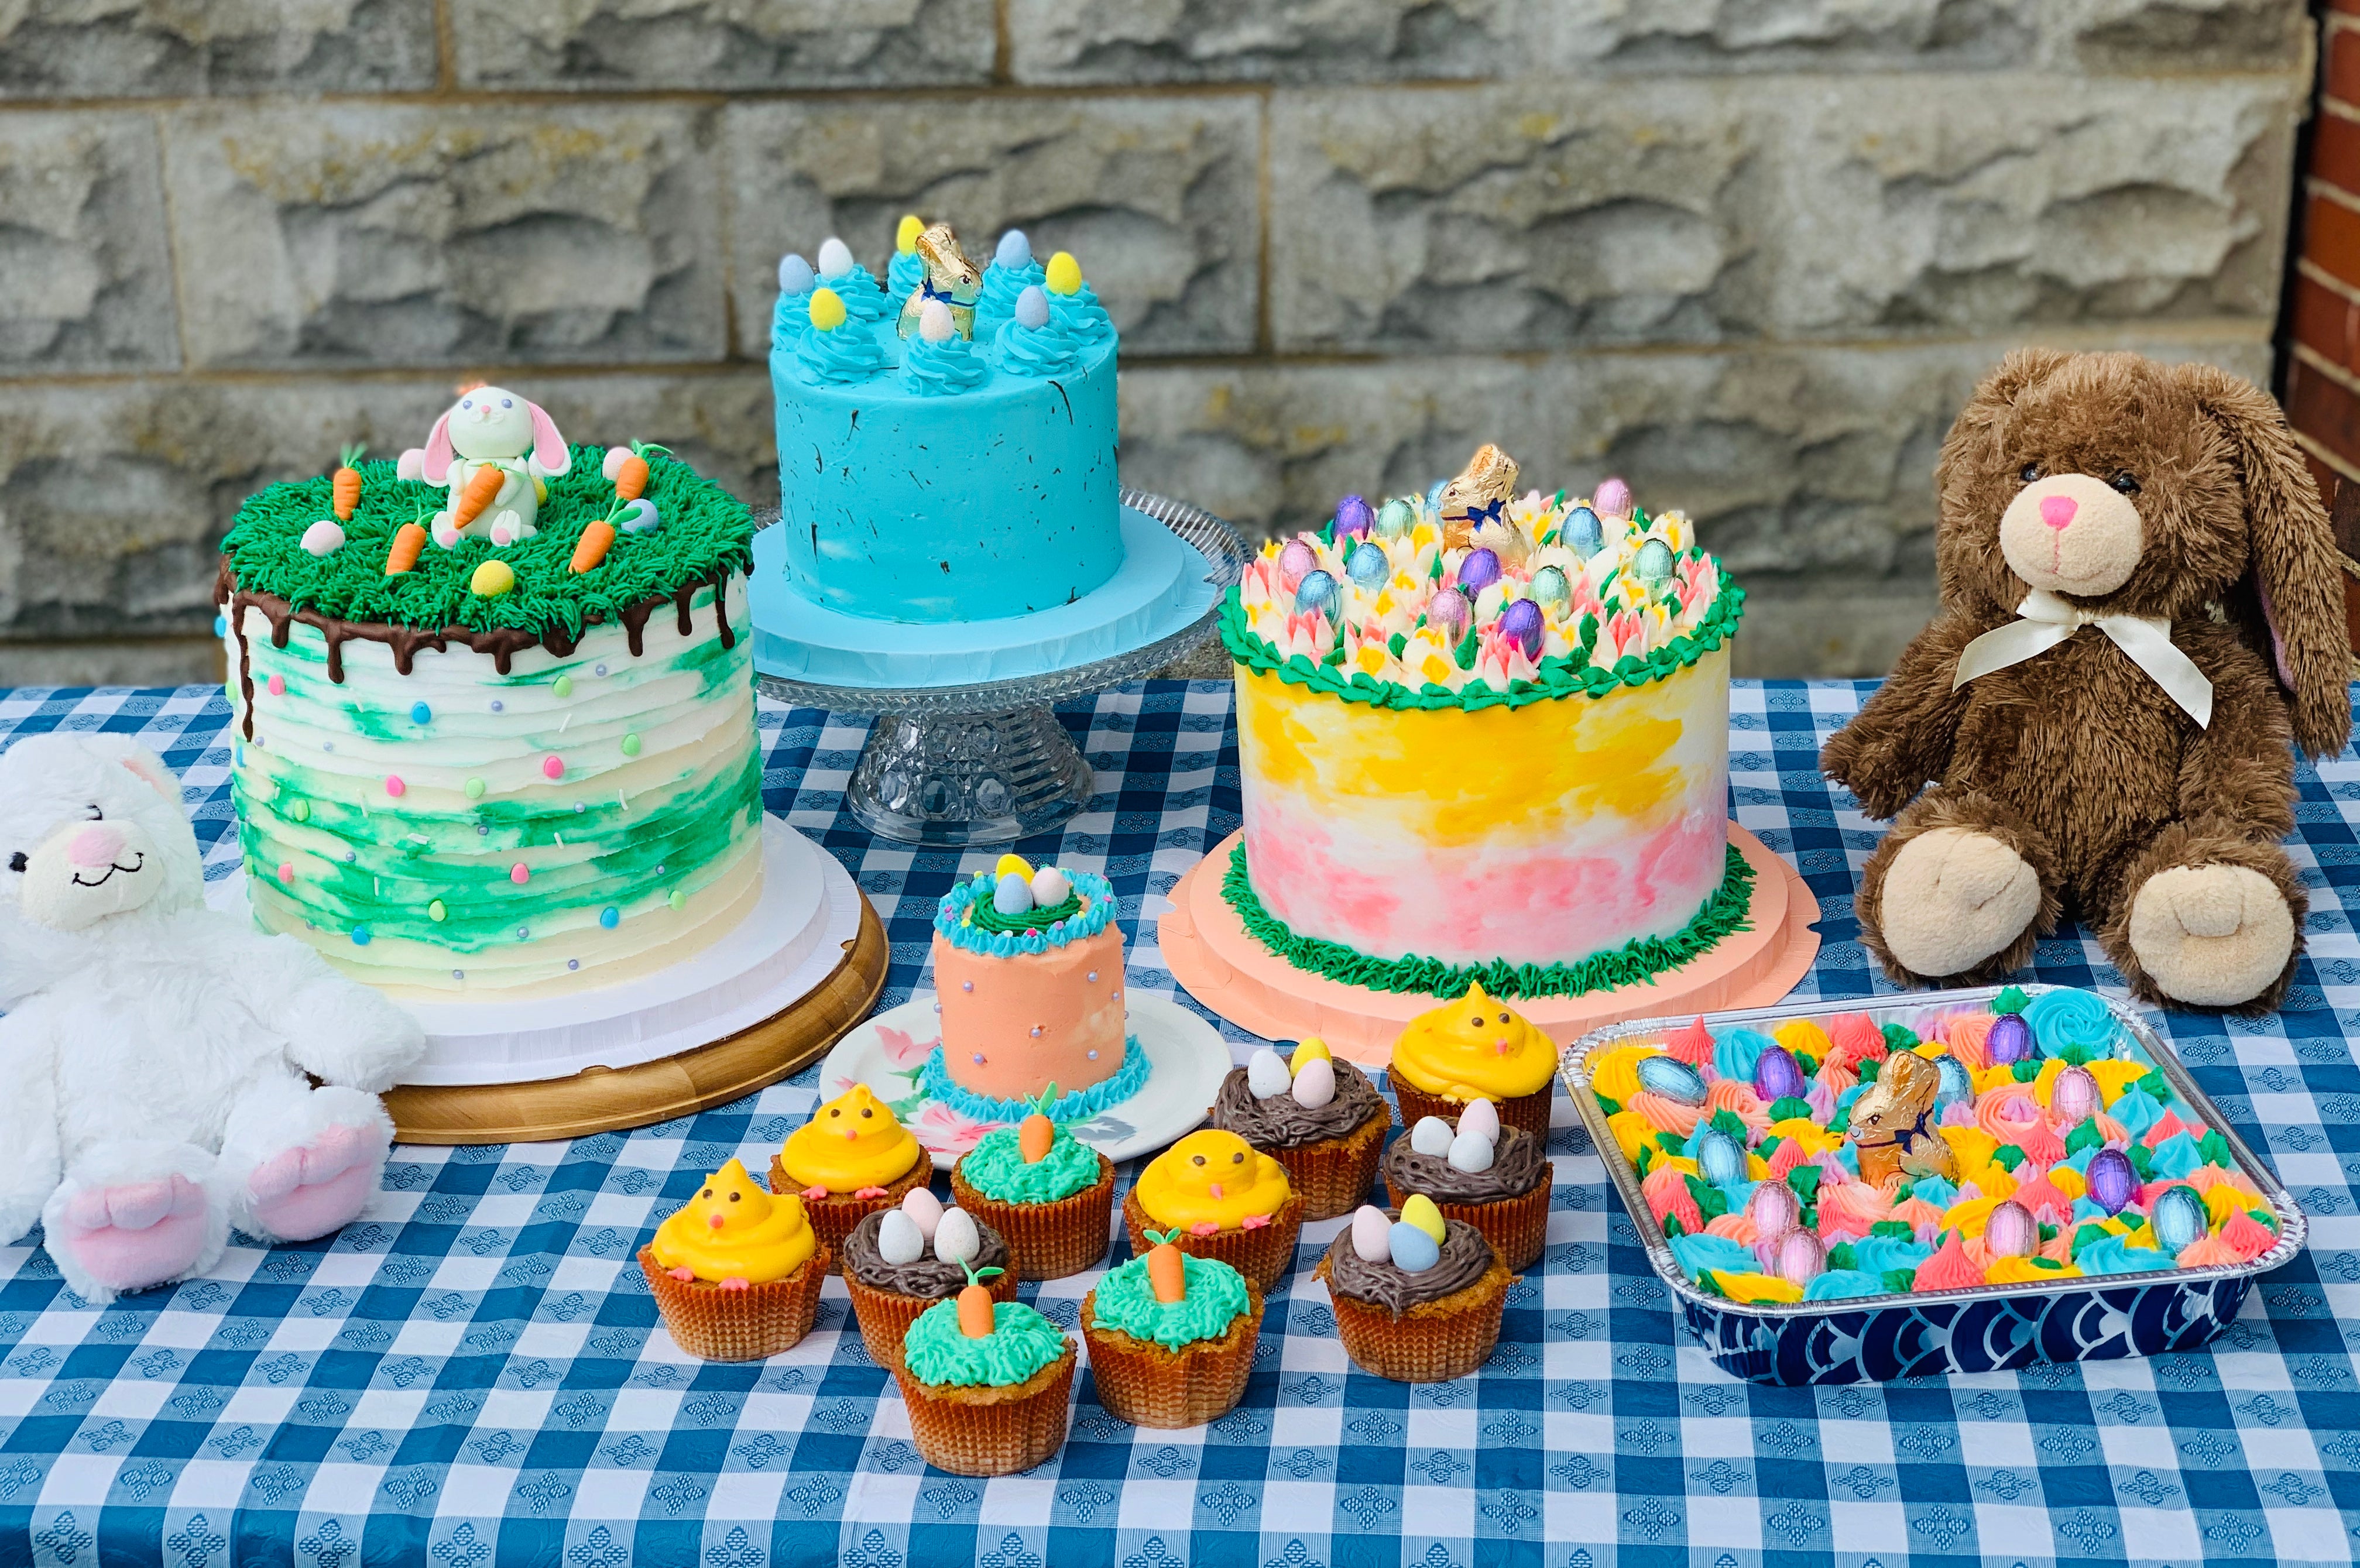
[1476,1048]
[853,1159]
[1224,1199]
[735,1271]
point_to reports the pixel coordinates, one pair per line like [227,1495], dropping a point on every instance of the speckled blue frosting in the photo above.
[937,369]
[935,1082]
[1096,892]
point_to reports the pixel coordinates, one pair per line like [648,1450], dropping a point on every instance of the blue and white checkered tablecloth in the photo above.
[474,1375]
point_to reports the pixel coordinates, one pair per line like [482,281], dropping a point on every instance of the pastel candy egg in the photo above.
[826,310]
[639,517]
[1316,593]
[1612,499]
[2073,1097]
[1431,1135]
[323,537]
[1014,252]
[1777,1075]
[1799,1257]
[925,1210]
[1315,1082]
[899,1239]
[1293,561]
[906,233]
[1470,1153]
[1720,1158]
[1551,591]
[491,580]
[1447,613]
[935,322]
[1479,570]
[1773,1209]
[1016,863]
[795,275]
[1371,1234]
[2112,1180]
[1654,562]
[1266,1074]
[1414,1251]
[1394,519]
[1353,517]
[955,1238]
[835,257]
[1669,1078]
[1012,895]
[1065,274]
[1032,308]
[1050,886]
[1582,533]
[1309,1048]
[2010,1041]
[1481,1118]
[2179,1218]
[1951,1083]
[1520,623]
[1369,566]
[2010,1231]
[1421,1211]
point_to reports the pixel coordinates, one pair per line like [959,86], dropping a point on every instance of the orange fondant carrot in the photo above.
[1036,1133]
[975,1303]
[596,537]
[482,486]
[408,540]
[631,474]
[345,484]
[1165,1274]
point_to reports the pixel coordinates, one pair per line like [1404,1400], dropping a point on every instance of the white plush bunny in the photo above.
[489,427]
[153,1053]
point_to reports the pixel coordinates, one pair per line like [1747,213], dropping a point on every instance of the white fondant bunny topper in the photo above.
[488,430]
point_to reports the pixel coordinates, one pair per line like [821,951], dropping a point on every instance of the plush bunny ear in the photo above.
[437,468]
[151,768]
[2291,567]
[549,449]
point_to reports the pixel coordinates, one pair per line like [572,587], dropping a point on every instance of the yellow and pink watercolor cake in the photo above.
[1483,739]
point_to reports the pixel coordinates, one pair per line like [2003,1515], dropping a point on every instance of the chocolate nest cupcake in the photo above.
[888,1295]
[1319,1118]
[1490,1176]
[1416,1315]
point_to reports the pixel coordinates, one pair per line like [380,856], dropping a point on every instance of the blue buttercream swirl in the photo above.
[788,319]
[1935,1191]
[1880,1255]
[1082,1106]
[902,275]
[937,369]
[2059,1018]
[2114,1254]
[1698,1253]
[1001,285]
[1843,1284]
[843,356]
[2137,1109]
[1053,348]
[864,302]
[1097,896]
[1735,1053]
[2176,1156]
[1082,315]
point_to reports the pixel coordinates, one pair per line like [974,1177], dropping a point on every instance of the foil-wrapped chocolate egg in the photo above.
[1777,1075]
[1414,1251]
[1432,1135]
[1470,1153]
[1396,518]
[1582,533]
[1012,895]
[955,1238]
[1372,1233]
[1293,561]
[2112,1180]
[2073,1097]
[2010,1041]
[1669,1078]
[1717,1156]
[1266,1074]
[2179,1218]
[1353,517]
[1612,498]
[1551,591]
[1369,566]
[925,1210]
[1316,593]
[1654,562]
[1521,624]
[899,1239]
[1315,1082]
[1479,570]
[1773,1209]
[2010,1231]
[1448,612]
[1951,1083]
[1481,1117]
[1799,1257]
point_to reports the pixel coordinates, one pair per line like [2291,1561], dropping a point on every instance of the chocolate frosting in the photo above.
[1283,1122]
[1516,1164]
[1466,1258]
[929,1277]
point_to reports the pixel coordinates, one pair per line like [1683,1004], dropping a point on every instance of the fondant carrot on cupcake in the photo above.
[1050,1194]
[1171,1336]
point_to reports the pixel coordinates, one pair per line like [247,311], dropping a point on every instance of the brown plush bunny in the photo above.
[2141,607]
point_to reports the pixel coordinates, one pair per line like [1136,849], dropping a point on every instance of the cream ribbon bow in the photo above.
[2049,620]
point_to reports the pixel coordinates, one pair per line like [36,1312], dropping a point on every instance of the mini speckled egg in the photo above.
[1479,571]
[2010,1041]
[2112,1180]
[1050,886]
[1670,1078]
[1520,623]
[795,275]
[323,537]
[1481,1117]
[639,517]
[1266,1074]
[1414,1251]
[1294,560]
[1720,1158]
[1394,519]
[1551,591]
[1799,1257]
[1654,562]
[1371,1234]
[1421,1211]
[2179,1217]
[1012,895]
[1014,252]
[1315,1082]
[1470,1153]
[1432,1135]
[1612,498]
[899,1239]
[1032,309]
[1773,1209]
[1582,533]
[2073,1097]
[2010,1231]
[1369,565]
[1353,517]
[955,1238]
[925,1210]
[1316,593]
[1778,1076]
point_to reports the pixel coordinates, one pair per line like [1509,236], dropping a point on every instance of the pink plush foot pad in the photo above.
[134,1234]
[317,1187]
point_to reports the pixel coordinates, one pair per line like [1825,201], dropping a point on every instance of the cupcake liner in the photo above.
[1048,1241]
[885,1316]
[1264,1254]
[833,1218]
[739,1326]
[1434,1341]
[1516,1227]
[1145,1384]
[1333,1176]
[1530,1112]
[991,1432]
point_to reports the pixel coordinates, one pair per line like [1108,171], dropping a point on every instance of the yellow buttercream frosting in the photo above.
[851,1142]
[1475,1047]
[2024,1271]
[1758,1287]
[1212,1178]
[732,1229]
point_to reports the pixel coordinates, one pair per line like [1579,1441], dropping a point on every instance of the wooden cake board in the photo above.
[1209,950]
[601,1099]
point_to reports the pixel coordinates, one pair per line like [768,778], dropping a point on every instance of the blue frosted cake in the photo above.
[493,709]
[947,441]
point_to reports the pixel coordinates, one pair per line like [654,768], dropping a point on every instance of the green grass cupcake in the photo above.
[1050,1195]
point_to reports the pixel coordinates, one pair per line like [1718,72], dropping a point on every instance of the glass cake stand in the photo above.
[989,763]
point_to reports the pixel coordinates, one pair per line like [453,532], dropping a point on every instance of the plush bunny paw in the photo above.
[2214,936]
[316,1187]
[133,1234]
[1953,898]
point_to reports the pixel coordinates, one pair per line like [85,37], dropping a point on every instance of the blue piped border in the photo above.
[1096,892]
[935,1082]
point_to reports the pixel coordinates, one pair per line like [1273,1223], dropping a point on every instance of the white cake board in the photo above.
[782,949]
[1187,1059]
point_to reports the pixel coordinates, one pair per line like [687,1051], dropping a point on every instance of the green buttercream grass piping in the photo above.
[996,1168]
[705,533]
[1020,1343]
[984,915]
[1213,1296]
[1723,913]
[1559,676]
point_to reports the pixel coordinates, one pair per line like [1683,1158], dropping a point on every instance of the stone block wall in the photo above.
[1751,255]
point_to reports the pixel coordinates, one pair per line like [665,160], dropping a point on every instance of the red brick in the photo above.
[2335,152]
[2324,411]
[2341,77]
[2327,323]
[2331,238]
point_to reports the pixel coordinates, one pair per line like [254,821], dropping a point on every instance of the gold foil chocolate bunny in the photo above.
[1477,497]
[1888,1128]
[950,277]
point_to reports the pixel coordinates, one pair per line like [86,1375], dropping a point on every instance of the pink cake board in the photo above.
[1207,950]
